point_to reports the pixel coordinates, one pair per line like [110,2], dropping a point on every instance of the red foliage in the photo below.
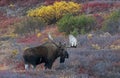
[116,5]
[34,39]
[99,20]
[4,2]
[19,2]
[49,2]
[19,66]
[2,16]
[82,70]
[27,2]
[7,22]
[27,40]
[95,7]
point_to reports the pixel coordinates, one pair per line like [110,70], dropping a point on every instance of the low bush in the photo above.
[95,7]
[76,24]
[99,21]
[112,23]
[52,13]
[30,25]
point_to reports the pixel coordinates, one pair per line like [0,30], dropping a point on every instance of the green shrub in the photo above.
[112,23]
[74,32]
[76,24]
[30,25]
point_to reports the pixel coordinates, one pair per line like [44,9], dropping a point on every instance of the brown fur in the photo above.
[47,52]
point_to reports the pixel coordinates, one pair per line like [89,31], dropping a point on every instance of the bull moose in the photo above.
[46,53]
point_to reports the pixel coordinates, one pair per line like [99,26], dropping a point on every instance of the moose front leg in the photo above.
[49,64]
[27,66]
[62,59]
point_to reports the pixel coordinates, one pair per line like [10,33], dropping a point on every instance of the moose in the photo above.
[46,53]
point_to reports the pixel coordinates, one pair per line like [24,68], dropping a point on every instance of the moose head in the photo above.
[62,48]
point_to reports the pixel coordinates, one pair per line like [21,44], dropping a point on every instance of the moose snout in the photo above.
[66,55]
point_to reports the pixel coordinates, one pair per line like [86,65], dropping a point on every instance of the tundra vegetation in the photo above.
[95,25]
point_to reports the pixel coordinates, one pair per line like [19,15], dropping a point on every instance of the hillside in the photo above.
[96,25]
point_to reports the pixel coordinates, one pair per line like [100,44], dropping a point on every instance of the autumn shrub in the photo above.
[112,23]
[22,3]
[99,20]
[7,22]
[95,7]
[54,12]
[76,24]
[30,25]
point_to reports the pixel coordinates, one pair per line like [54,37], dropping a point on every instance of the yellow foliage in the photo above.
[38,35]
[115,47]
[96,46]
[11,35]
[14,52]
[45,39]
[89,36]
[55,11]
[12,5]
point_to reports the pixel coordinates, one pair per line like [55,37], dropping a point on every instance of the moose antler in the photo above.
[51,39]
[49,36]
